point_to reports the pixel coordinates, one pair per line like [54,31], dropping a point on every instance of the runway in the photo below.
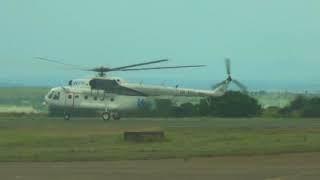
[277,167]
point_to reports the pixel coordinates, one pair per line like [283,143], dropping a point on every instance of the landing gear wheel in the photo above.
[106,116]
[66,116]
[116,116]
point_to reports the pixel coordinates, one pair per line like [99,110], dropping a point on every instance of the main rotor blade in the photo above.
[167,67]
[228,67]
[240,85]
[139,64]
[61,63]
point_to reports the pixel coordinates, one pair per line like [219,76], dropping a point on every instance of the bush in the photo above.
[186,110]
[232,104]
[303,107]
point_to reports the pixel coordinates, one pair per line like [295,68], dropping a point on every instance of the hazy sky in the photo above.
[266,40]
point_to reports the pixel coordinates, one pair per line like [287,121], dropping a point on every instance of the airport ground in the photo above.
[38,147]
[269,167]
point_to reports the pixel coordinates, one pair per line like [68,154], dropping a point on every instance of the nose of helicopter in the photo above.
[47,97]
[45,100]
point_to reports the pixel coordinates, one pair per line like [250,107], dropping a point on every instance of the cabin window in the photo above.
[70,96]
[85,97]
[76,96]
[95,98]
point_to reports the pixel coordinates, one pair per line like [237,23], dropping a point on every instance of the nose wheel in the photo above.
[66,116]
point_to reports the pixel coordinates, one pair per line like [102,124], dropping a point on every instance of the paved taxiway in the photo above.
[277,167]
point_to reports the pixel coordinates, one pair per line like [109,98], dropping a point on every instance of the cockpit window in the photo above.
[50,94]
[56,96]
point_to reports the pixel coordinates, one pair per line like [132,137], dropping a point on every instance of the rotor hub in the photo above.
[229,78]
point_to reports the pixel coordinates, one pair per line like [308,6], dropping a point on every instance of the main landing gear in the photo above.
[66,116]
[106,116]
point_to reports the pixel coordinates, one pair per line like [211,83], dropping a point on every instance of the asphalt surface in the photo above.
[273,167]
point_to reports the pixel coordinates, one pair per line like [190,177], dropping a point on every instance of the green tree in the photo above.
[233,104]
[303,107]
[186,110]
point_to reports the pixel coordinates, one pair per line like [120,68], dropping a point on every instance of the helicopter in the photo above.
[112,96]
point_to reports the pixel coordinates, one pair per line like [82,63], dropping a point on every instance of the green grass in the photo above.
[23,97]
[36,138]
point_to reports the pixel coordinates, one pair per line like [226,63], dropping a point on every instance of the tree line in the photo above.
[302,106]
[234,104]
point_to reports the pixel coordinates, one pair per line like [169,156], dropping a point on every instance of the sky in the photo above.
[271,43]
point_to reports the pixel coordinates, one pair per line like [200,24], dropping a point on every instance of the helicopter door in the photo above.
[76,100]
[69,100]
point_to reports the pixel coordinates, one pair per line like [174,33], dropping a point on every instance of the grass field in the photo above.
[39,138]
[22,99]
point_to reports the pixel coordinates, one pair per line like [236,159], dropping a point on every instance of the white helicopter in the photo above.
[111,96]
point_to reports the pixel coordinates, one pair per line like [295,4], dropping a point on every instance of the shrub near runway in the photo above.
[47,139]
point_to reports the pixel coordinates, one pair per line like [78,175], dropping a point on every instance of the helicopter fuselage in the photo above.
[111,95]
[71,100]
[114,96]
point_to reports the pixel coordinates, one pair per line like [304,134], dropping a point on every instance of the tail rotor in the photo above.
[229,79]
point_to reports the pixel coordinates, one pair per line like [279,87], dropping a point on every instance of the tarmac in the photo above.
[270,167]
